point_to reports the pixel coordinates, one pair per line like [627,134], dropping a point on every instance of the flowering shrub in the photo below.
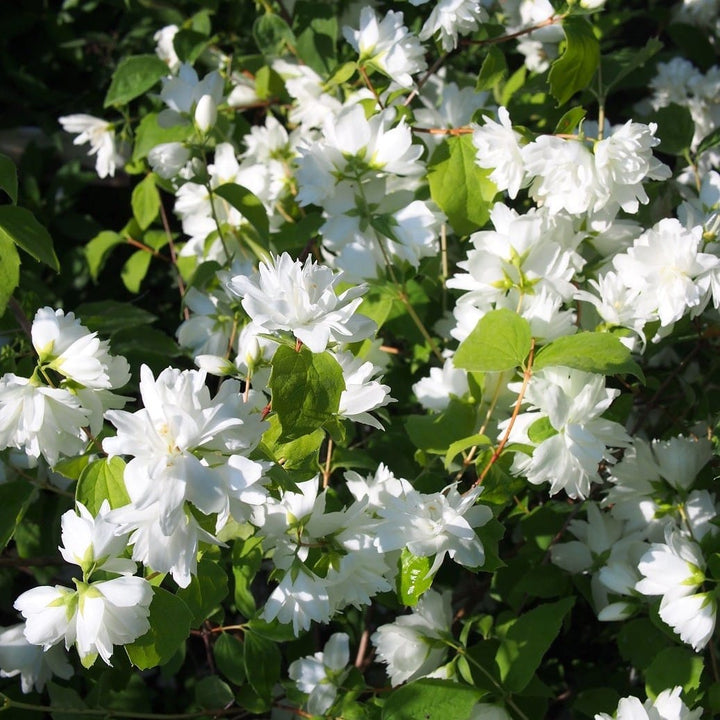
[385,389]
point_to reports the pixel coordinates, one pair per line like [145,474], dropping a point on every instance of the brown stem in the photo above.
[516,411]
[443,131]
[146,248]
[20,316]
[173,257]
[552,20]
[371,86]
[362,649]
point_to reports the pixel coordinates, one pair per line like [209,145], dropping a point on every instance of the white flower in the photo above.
[95,617]
[319,675]
[692,617]
[182,94]
[362,393]
[112,612]
[387,45]
[498,147]
[205,113]
[450,18]
[41,420]
[93,542]
[376,487]
[434,392]
[572,401]
[174,553]
[409,645]
[178,439]
[623,161]
[34,664]
[664,266]
[68,347]
[675,569]
[167,159]
[165,48]
[288,296]
[300,598]
[434,524]
[101,136]
[667,706]
[564,174]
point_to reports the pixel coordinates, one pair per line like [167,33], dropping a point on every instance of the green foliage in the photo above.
[589,351]
[462,190]
[500,341]
[574,69]
[133,77]
[170,620]
[306,389]
[430,698]
[102,480]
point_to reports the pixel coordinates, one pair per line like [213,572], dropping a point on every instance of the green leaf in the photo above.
[306,389]
[189,44]
[9,271]
[342,74]
[273,35]
[292,454]
[618,65]
[262,663]
[437,432]
[248,205]
[228,653]
[594,352]
[8,178]
[574,69]
[133,77]
[207,589]
[462,189]
[458,446]
[212,693]
[170,620]
[149,134]
[500,341]
[431,698]
[246,559]
[541,430]
[526,640]
[492,71]
[135,269]
[640,642]
[414,578]
[20,226]
[710,141]
[72,468]
[63,701]
[570,120]
[109,316]
[97,250]
[15,498]
[316,30]
[673,666]
[102,480]
[675,129]
[145,201]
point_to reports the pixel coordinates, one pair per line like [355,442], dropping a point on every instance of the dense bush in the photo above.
[359,361]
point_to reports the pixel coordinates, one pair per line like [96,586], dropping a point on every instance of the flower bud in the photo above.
[205,114]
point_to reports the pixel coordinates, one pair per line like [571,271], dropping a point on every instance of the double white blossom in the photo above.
[387,45]
[412,646]
[300,299]
[321,674]
[675,570]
